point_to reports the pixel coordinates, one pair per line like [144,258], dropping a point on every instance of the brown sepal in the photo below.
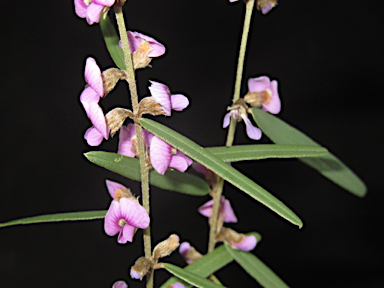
[140,56]
[110,78]
[148,105]
[166,247]
[116,117]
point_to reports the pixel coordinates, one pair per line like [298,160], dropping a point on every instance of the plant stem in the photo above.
[232,127]
[139,133]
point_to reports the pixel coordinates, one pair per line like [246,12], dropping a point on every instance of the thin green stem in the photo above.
[232,127]
[139,133]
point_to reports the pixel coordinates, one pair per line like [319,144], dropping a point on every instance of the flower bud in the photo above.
[237,240]
[165,247]
[141,268]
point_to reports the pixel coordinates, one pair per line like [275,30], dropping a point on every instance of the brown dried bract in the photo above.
[165,247]
[116,117]
[140,56]
[148,105]
[111,77]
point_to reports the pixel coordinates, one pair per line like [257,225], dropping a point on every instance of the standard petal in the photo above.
[92,75]
[97,118]
[125,140]
[108,3]
[179,102]
[113,186]
[206,209]
[258,84]
[274,104]
[126,234]
[81,8]
[89,96]
[133,213]
[93,13]
[229,215]
[252,131]
[112,218]
[179,163]
[160,154]
[93,137]
[248,243]
[162,95]
[227,119]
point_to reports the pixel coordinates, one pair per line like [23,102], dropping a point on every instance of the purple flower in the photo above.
[123,218]
[266,93]
[162,95]
[89,98]
[162,155]
[237,113]
[225,210]
[120,284]
[135,39]
[177,285]
[247,244]
[266,5]
[183,250]
[91,10]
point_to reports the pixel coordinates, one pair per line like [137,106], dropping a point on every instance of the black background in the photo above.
[328,58]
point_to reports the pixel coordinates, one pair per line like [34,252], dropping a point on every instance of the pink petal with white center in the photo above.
[120,284]
[206,209]
[229,215]
[133,213]
[227,119]
[93,13]
[96,115]
[248,243]
[252,131]
[89,96]
[178,163]
[125,140]
[113,186]
[92,75]
[126,234]
[93,137]
[274,105]
[112,218]
[258,84]
[81,8]
[107,3]
[179,102]
[162,95]
[160,153]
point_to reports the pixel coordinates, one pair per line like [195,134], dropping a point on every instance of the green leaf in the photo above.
[257,269]
[69,216]
[191,277]
[228,173]
[112,41]
[328,165]
[262,151]
[130,167]
[206,265]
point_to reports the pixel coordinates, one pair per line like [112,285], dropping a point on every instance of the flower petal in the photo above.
[93,137]
[179,102]
[92,75]
[229,214]
[96,115]
[179,163]
[120,284]
[93,13]
[258,84]
[274,105]
[89,96]
[252,131]
[162,95]
[107,3]
[81,8]
[135,275]
[135,38]
[178,285]
[206,209]
[133,213]
[125,140]
[160,154]
[113,186]
[227,119]
[267,8]
[126,234]
[248,243]
[112,218]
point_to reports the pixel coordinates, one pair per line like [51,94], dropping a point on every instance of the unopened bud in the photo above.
[165,247]
[116,117]
[266,5]
[237,240]
[148,105]
[141,268]
[140,56]
[189,253]
[110,78]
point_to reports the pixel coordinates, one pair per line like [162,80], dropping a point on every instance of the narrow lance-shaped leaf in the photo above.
[69,216]
[206,265]
[257,269]
[191,277]
[264,151]
[112,41]
[328,165]
[130,167]
[228,173]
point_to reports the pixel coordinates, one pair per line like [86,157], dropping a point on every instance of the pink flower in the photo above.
[90,98]
[247,244]
[91,10]
[225,210]
[120,284]
[123,218]
[252,131]
[135,39]
[177,285]
[162,95]
[162,154]
[267,93]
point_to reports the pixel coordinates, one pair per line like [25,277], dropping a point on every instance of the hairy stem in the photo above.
[232,127]
[139,133]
